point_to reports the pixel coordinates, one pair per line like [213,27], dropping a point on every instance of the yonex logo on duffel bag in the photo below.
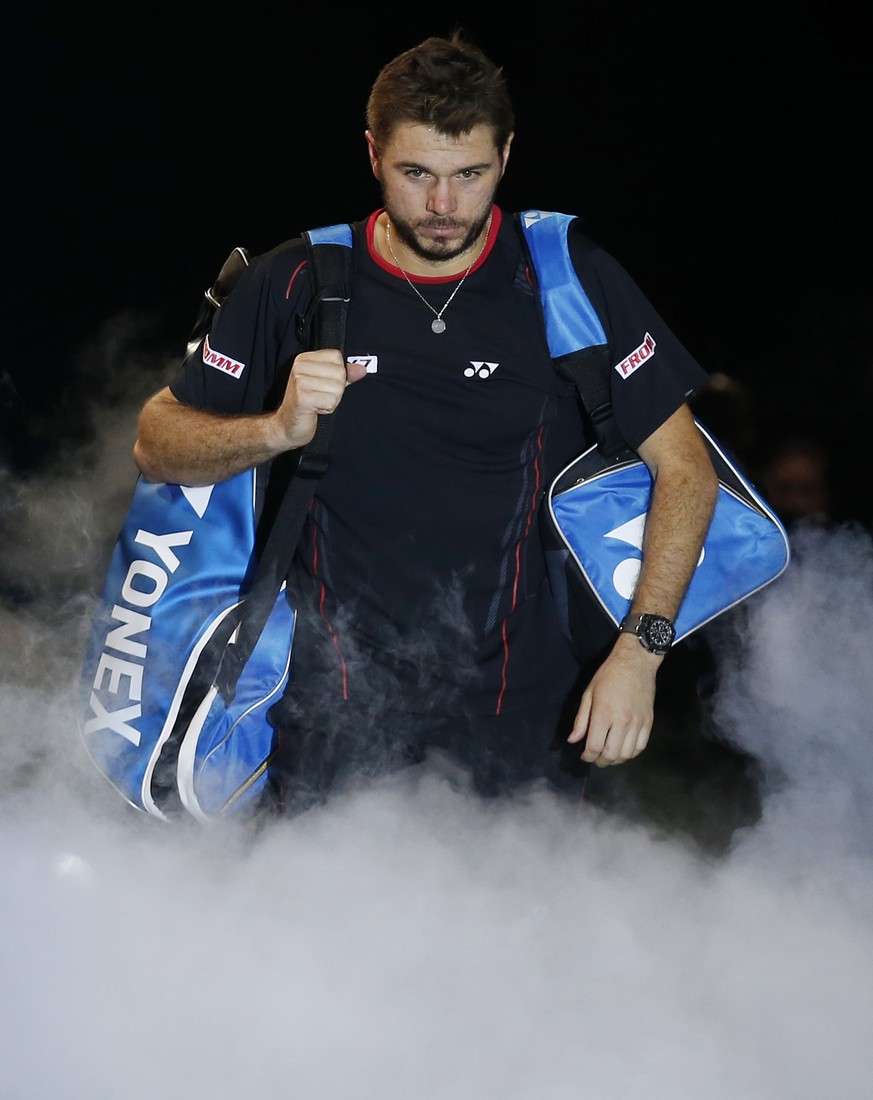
[118,679]
[627,571]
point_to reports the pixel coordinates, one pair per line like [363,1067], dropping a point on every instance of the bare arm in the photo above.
[617,709]
[187,446]
[684,491]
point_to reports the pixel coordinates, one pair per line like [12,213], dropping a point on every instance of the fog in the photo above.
[408,938]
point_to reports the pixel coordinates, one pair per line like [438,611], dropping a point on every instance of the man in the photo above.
[425,617]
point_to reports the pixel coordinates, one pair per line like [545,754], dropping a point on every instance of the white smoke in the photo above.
[411,940]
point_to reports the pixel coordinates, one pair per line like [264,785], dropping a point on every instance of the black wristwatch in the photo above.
[656,633]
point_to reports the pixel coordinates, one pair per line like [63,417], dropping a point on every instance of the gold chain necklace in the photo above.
[437,324]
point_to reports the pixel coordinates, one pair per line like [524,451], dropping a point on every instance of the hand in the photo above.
[617,708]
[316,385]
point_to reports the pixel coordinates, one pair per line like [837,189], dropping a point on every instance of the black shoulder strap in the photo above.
[329,254]
[577,340]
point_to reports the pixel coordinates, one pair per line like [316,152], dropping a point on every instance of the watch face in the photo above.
[655,632]
[659,632]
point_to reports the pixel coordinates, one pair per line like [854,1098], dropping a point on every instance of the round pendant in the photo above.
[438,325]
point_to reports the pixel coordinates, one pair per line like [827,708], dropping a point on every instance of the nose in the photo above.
[441,200]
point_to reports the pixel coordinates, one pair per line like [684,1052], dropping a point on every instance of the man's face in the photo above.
[438,189]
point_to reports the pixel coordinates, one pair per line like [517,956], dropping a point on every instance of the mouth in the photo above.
[442,232]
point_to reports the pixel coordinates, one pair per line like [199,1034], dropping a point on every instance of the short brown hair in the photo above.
[446,83]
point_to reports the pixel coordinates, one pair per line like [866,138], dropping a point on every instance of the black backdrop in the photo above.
[719,154]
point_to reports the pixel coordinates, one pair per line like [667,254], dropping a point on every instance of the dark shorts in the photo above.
[362,713]
[322,749]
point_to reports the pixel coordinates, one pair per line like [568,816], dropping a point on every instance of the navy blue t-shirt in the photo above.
[421,553]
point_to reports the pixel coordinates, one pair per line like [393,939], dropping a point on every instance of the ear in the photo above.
[372,152]
[504,153]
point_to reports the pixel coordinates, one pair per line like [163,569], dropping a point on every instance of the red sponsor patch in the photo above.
[636,358]
[221,362]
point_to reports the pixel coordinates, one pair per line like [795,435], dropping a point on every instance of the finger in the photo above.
[327,403]
[320,364]
[318,389]
[580,725]
[595,746]
[355,372]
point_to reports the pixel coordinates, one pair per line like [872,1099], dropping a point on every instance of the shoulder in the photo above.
[279,271]
[282,271]
[557,242]
[589,256]
[605,279]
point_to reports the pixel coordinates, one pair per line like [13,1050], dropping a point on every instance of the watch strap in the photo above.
[655,632]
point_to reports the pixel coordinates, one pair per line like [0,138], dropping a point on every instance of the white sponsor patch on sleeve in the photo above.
[636,358]
[221,362]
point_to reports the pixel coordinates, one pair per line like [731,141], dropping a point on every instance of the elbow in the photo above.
[148,452]
[146,466]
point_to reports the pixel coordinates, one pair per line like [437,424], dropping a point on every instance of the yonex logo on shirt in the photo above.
[221,362]
[479,370]
[636,358]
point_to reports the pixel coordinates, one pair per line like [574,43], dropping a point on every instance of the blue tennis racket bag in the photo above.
[153,717]
[191,643]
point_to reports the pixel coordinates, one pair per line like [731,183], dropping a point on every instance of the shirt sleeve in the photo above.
[242,363]
[651,372]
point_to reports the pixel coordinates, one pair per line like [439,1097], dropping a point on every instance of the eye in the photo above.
[416,173]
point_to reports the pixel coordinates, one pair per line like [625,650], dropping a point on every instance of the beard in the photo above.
[439,249]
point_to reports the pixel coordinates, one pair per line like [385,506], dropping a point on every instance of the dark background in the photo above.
[720,154]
